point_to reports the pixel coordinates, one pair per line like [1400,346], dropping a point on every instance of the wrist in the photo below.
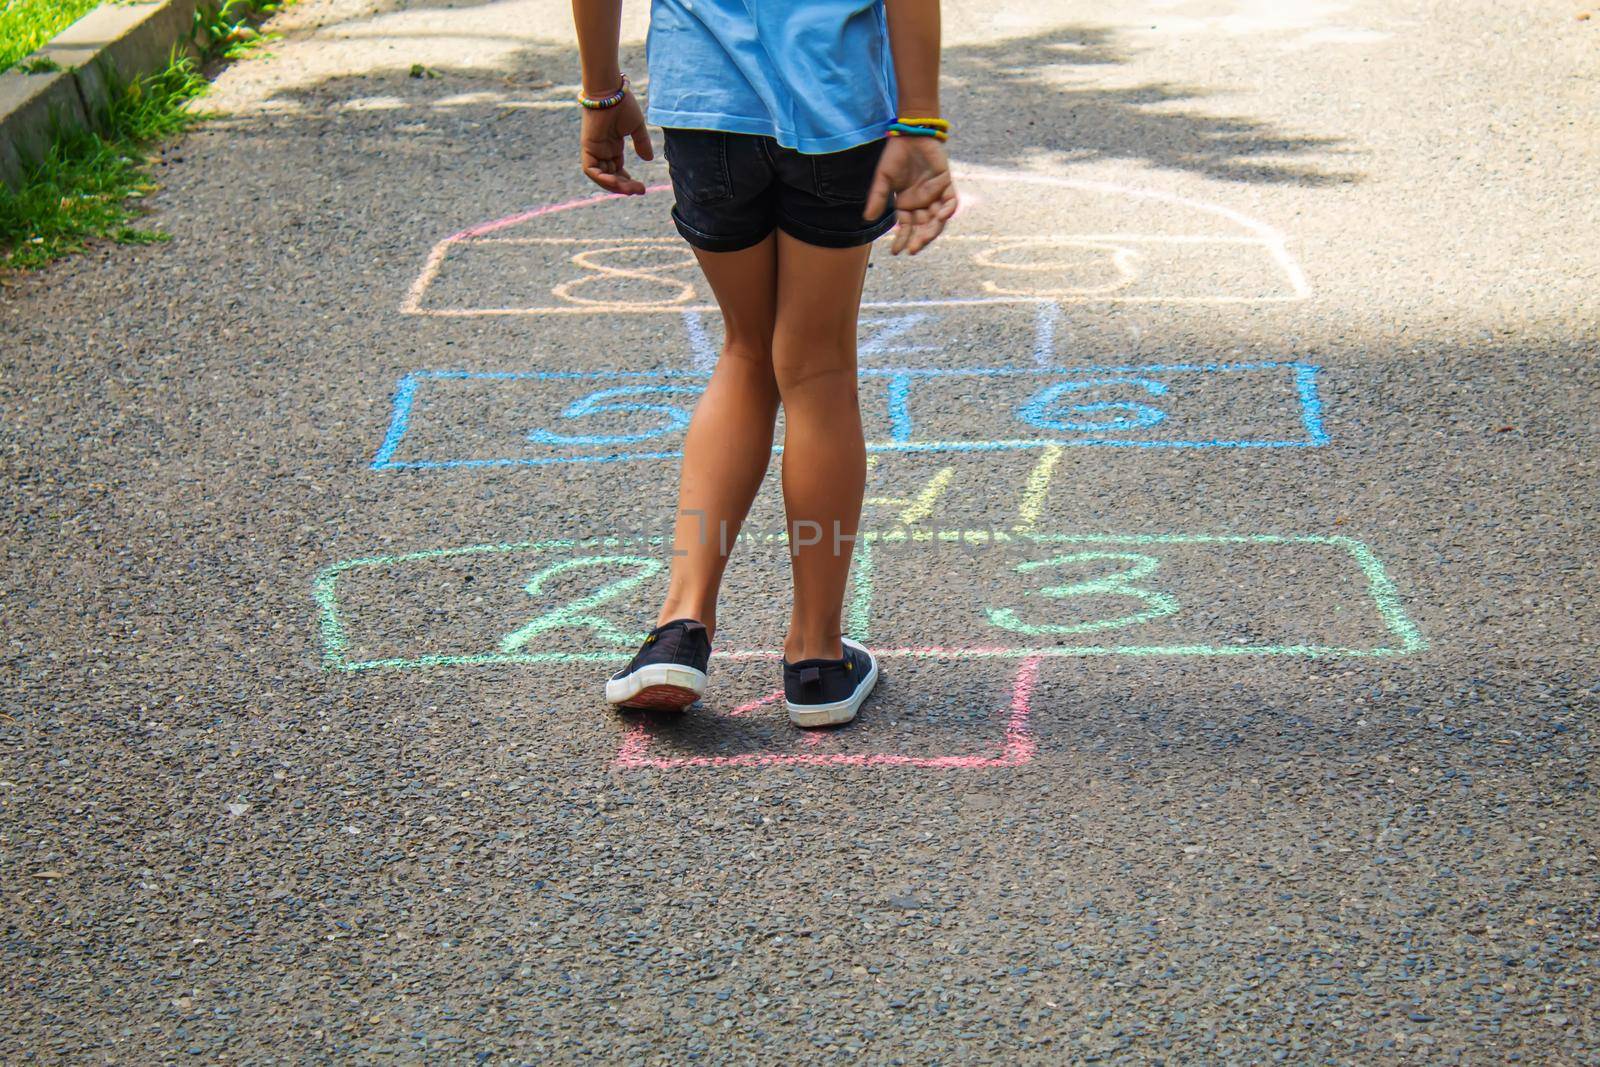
[924,107]
[602,82]
[919,127]
[605,103]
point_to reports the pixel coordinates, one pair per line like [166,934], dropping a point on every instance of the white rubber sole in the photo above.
[840,711]
[666,686]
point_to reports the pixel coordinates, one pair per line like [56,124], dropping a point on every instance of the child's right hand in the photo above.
[917,171]
[601,145]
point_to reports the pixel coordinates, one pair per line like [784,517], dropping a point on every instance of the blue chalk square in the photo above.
[444,419]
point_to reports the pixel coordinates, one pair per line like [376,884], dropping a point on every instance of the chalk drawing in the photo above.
[1119,584]
[575,613]
[1046,407]
[878,336]
[679,290]
[1016,748]
[1121,256]
[881,335]
[808,738]
[919,507]
[599,403]
[1041,411]
[1054,552]
[703,354]
[1035,490]
[1045,325]
[1164,248]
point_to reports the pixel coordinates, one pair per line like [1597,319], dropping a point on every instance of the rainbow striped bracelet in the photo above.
[603,102]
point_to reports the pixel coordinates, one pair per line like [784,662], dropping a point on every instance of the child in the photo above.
[787,161]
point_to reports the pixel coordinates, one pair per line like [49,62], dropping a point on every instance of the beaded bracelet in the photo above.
[939,129]
[604,102]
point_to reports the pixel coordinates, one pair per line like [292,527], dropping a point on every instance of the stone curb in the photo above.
[33,107]
[112,44]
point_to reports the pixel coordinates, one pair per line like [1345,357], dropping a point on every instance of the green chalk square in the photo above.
[1384,598]
[335,639]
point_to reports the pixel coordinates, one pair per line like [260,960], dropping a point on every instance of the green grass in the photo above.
[90,184]
[229,33]
[27,24]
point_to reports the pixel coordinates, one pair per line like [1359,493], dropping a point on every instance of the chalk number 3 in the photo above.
[1156,604]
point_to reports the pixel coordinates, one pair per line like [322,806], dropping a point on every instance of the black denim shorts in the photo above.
[733,189]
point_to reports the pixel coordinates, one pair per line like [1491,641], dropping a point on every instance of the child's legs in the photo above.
[729,443]
[824,454]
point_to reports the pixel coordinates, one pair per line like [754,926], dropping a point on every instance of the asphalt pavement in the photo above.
[1229,550]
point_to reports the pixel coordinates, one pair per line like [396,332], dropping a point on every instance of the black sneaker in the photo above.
[826,692]
[669,671]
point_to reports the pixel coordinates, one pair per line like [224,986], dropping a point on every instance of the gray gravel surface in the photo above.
[1201,845]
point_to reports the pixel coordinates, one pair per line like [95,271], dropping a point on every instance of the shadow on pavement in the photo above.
[1028,99]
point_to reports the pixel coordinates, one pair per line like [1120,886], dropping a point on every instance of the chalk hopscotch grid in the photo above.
[1305,386]
[1260,235]
[581,306]
[1385,598]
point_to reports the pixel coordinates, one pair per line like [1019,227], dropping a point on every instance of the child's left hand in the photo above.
[917,171]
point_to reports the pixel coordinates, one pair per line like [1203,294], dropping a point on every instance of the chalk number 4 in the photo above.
[1122,583]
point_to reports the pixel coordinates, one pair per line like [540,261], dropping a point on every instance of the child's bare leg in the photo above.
[729,444]
[824,454]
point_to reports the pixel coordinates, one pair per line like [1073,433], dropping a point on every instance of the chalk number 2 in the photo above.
[576,613]
[1123,583]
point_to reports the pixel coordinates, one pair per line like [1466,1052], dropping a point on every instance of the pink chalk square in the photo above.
[640,744]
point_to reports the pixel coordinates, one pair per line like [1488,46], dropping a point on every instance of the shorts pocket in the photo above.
[846,177]
[697,161]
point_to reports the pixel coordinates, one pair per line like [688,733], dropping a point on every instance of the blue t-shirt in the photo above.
[815,75]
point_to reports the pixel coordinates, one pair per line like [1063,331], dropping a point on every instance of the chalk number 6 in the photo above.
[612,402]
[1045,408]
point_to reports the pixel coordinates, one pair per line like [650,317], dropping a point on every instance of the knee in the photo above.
[815,366]
[750,363]
[754,352]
